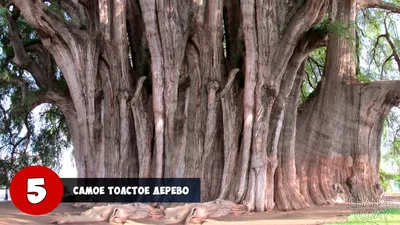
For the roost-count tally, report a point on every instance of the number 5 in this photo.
(35, 192)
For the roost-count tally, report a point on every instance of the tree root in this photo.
(193, 213)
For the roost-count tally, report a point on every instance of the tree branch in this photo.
(27, 136)
(13, 138)
(378, 4)
(72, 10)
(24, 61)
(388, 91)
(6, 122)
(228, 84)
(48, 25)
(22, 84)
(383, 65)
(309, 81)
(319, 66)
(376, 44)
(52, 97)
(308, 43)
(392, 46)
(302, 90)
(63, 102)
(303, 20)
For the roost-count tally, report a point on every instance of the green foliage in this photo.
(385, 129)
(342, 29)
(322, 28)
(385, 177)
(393, 155)
(373, 61)
(48, 145)
(28, 34)
(314, 71)
(396, 145)
(375, 52)
(338, 28)
(363, 78)
(391, 139)
(379, 217)
(55, 8)
(25, 137)
(57, 123)
(26, 143)
(4, 12)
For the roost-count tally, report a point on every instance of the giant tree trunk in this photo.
(96, 69)
(153, 95)
(339, 130)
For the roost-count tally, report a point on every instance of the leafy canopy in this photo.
(30, 133)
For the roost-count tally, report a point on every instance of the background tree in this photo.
(27, 136)
(392, 145)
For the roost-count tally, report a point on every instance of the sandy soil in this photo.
(9, 215)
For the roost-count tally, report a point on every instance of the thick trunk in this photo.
(264, 40)
(99, 86)
(283, 125)
(326, 128)
(376, 100)
(144, 128)
(232, 115)
(343, 151)
(187, 59)
(190, 123)
(338, 131)
(170, 108)
(285, 175)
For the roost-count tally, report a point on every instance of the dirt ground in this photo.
(9, 215)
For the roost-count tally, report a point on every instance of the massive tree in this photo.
(210, 89)
(341, 145)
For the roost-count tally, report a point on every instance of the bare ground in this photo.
(9, 215)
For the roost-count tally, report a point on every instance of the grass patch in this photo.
(378, 217)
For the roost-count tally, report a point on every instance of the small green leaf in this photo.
(4, 12)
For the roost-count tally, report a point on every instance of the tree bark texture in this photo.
(338, 131)
(209, 89)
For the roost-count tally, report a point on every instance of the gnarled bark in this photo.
(149, 85)
(285, 175)
(338, 132)
(232, 128)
